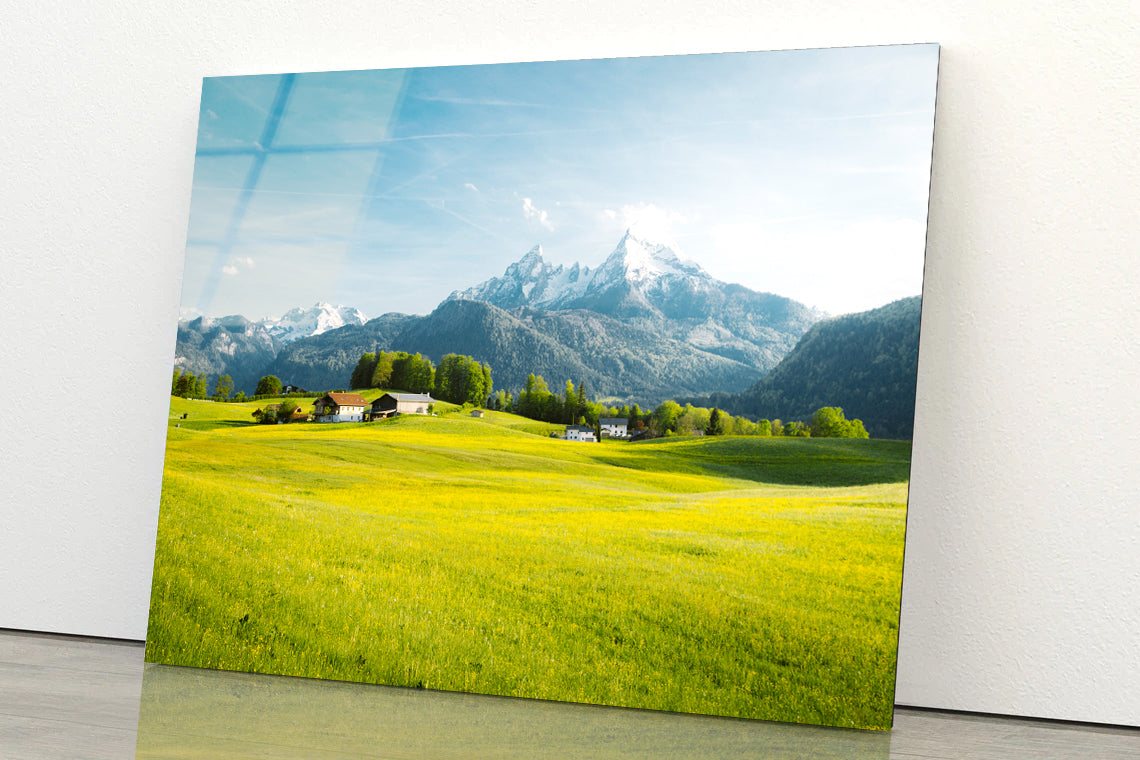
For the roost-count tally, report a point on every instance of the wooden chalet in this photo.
(340, 407)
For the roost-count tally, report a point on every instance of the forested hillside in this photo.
(866, 363)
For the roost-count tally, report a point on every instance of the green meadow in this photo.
(750, 577)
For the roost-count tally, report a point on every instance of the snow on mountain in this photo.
(319, 318)
(644, 281)
(642, 261)
(531, 281)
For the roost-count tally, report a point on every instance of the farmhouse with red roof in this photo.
(340, 407)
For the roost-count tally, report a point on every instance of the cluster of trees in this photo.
(670, 418)
(572, 406)
(829, 422)
(187, 384)
(458, 379)
(394, 369)
(276, 413)
(462, 380)
(270, 385)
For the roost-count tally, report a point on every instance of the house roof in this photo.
(613, 421)
(409, 397)
(579, 428)
(347, 399)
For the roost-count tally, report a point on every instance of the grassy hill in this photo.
(734, 576)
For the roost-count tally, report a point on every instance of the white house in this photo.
(614, 427)
(391, 404)
(340, 407)
(580, 433)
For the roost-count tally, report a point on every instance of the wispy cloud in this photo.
(502, 103)
(461, 101)
(236, 265)
(469, 186)
(441, 207)
(530, 212)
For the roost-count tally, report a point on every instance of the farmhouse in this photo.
(580, 433)
(391, 404)
(614, 427)
(340, 407)
(477, 413)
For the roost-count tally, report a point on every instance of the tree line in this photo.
(573, 406)
(186, 384)
(670, 418)
(463, 380)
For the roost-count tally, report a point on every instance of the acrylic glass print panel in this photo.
(588, 381)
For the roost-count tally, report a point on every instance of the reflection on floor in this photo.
(303, 718)
(63, 697)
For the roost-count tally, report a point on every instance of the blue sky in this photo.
(803, 173)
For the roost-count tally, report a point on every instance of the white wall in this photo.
(1022, 590)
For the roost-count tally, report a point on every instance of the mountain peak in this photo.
(319, 318)
(640, 259)
(651, 238)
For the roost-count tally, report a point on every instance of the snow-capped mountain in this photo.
(635, 270)
(645, 324)
(319, 318)
(530, 281)
(648, 284)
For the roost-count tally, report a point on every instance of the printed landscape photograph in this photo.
(589, 381)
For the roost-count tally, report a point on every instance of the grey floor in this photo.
(64, 697)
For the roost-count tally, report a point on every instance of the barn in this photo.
(391, 404)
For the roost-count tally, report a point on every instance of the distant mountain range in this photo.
(242, 348)
(643, 326)
(317, 320)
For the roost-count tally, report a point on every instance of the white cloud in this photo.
(838, 267)
(610, 213)
(652, 223)
(237, 264)
(530, 212)
(469, 186)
